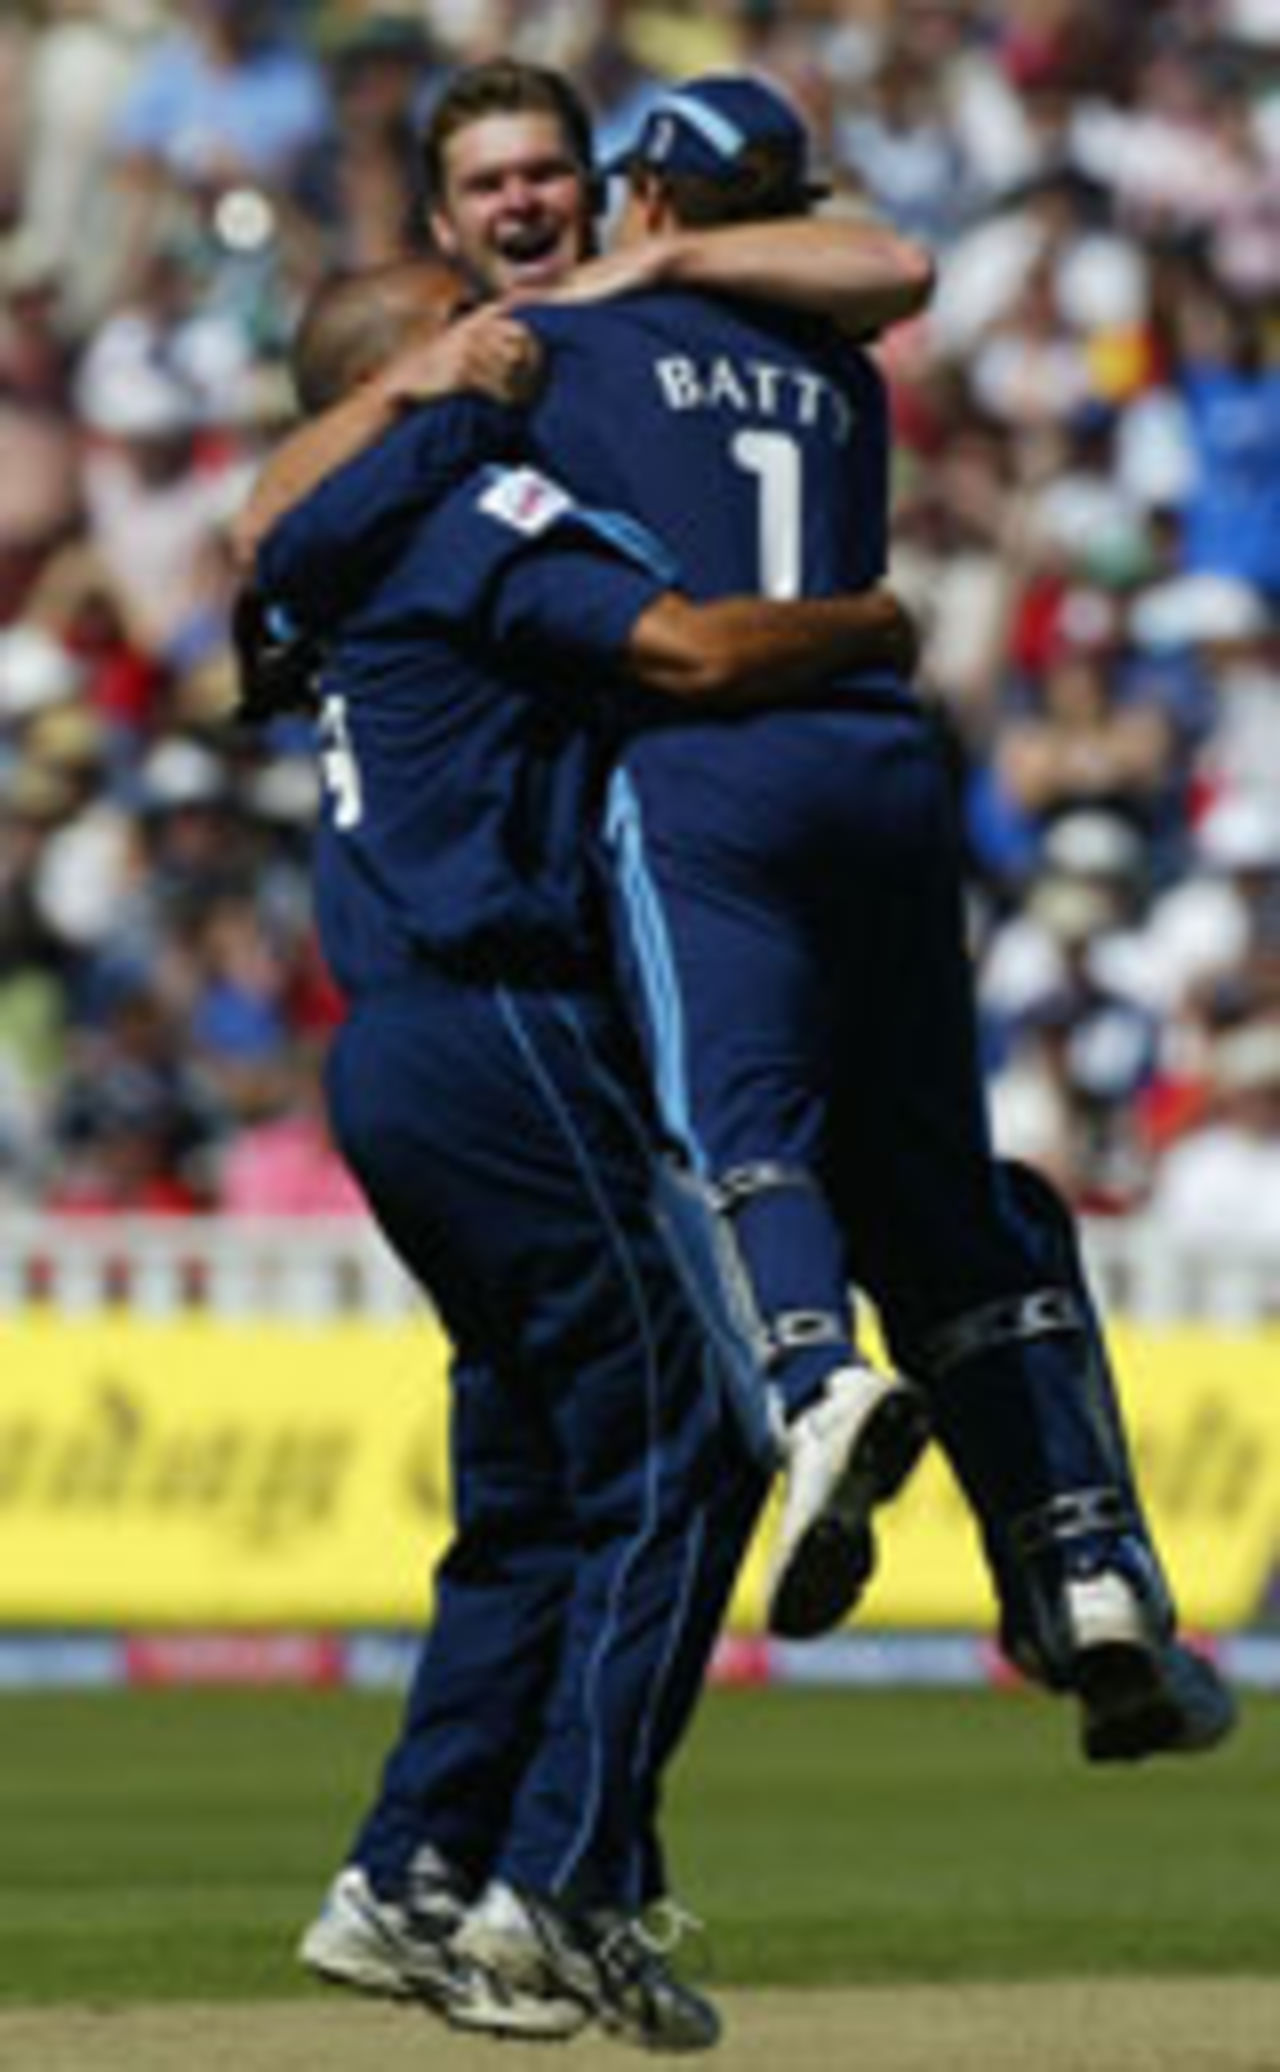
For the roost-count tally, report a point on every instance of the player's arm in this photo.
(572, 592)
(335, 539)
(861, 274)
(484, 355)
(741, 653)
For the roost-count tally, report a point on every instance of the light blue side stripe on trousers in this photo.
(702, 1243)
(655, 963)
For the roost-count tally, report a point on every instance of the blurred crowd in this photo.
(1088, 454)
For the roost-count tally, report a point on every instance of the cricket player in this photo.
(480, 1093)
(789, 896)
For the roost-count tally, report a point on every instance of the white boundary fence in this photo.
(316, 1268)
(226, 1266)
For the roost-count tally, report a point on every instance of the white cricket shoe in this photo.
(603, 1962)
(406, 1952)
(850, 1450)
(377, 1945)
(1142, 1692)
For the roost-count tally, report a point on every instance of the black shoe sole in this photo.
(1130, 1712)
(833, 1562)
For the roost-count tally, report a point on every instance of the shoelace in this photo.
(633, 1949)
(667, 1925)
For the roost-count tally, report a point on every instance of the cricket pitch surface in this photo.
(1086, 2025)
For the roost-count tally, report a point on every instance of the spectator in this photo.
(228, 99)
(1072, 1043)
(1223, 1177)
(895, 137)
(1231, 397)
(79, 70)
(39, 501)
(77, 602)
(1080, 732)
(285, 1163)
(1216, 635)
(154, 503)
(382, 74)
(1220, 920)
(131, 1125)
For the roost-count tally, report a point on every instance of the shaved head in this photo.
(356, 322)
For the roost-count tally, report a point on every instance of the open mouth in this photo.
(528, 246)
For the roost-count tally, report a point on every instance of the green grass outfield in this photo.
(169, 1845)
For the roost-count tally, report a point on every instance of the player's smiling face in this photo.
(515, 211)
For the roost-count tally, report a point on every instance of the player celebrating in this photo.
(476, 1091)
(790, 895)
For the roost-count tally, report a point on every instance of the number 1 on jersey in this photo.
(774, 459)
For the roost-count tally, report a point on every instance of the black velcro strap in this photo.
(728, 1191)
(794, 1329)
(1011, 1321)
(1070, 1516)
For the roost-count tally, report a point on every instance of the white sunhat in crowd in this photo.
(36, 671)
(1198, 611)
(1240, 832)
(1247, 1059)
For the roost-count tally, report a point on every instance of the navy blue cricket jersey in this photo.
(456, 789)
(756, 445)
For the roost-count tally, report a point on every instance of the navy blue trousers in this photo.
(792, 947)
(790, 926)
(603, 1496)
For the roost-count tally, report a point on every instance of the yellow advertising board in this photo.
(192, 1473)
(201, 1473)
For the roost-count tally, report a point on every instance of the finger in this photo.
(513, 335)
